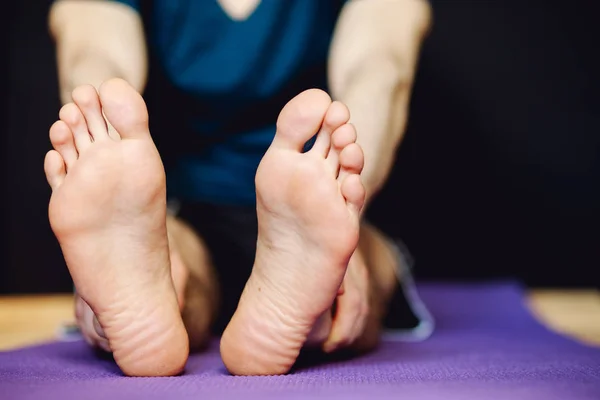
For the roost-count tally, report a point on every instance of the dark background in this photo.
(498, 176)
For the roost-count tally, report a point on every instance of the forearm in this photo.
(88, 68)
(377, 97)
(96, 41)
(372, 64)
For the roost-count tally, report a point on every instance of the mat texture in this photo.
(486, 346)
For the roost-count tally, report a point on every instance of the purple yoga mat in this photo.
(486, 346)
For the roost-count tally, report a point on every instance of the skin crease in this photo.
(373, 57)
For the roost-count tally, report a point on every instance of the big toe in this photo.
(124, 108)
(301, 119)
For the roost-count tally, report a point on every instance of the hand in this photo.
(352, 306)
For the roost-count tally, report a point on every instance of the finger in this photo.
(361, 279)
(360, 322)
(86, 325)
(344, 321)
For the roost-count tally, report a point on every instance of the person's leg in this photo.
(108, 211)
(308, 207)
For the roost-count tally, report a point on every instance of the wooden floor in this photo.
(571, 313)
(26, 320)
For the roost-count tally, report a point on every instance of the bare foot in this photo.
(308, 212)
(108, 211)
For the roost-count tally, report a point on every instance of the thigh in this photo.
(230, 234)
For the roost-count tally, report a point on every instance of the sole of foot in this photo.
(308, 206)
(108, 212)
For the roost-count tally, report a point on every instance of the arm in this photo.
(372, 63)
(96, 41)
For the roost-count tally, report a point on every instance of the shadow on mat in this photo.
(311, 358)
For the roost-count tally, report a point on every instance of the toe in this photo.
(341, 137)
(336, 116)
(125, 109)
(86, 98)
(354, 192)
(352, 188)
(301, 119)
(73, 117)
(62, 140)
(54, 167)
(351, 160)
(322, 143)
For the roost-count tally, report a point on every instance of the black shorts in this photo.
(230, 233)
